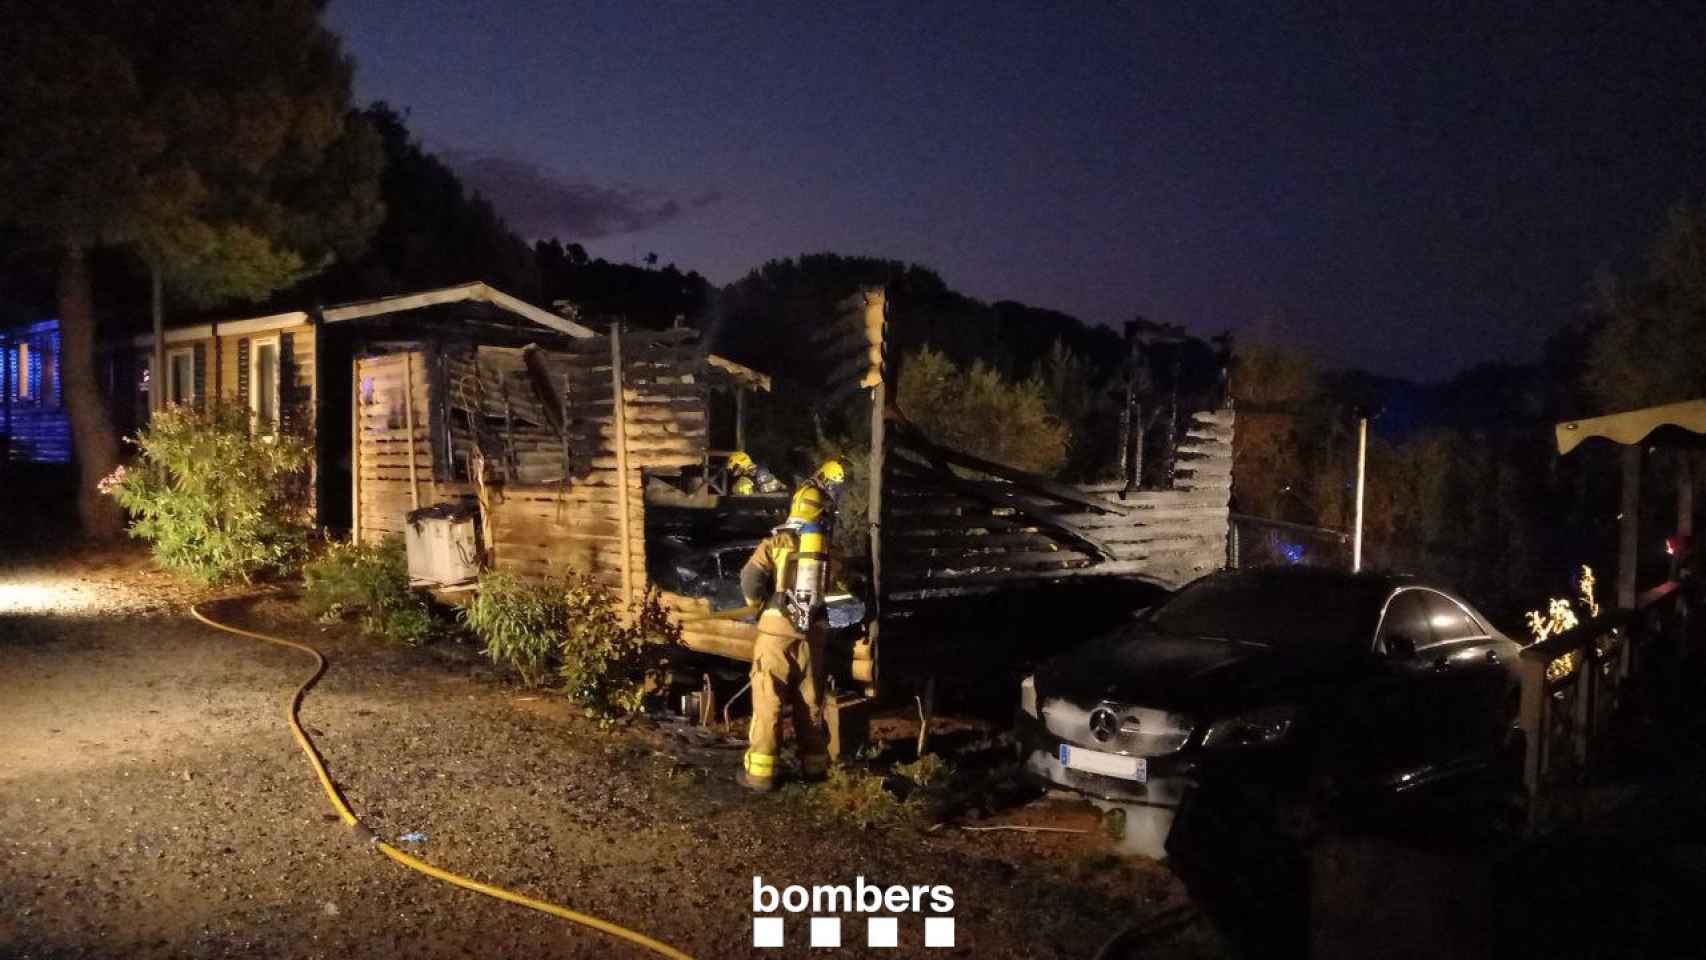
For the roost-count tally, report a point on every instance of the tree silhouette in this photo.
(213, 140)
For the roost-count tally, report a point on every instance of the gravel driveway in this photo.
(152, 803)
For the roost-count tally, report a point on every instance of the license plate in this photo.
(1106, 764)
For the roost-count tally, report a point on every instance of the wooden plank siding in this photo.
(544, 418)
(953, 535)
(385, 490)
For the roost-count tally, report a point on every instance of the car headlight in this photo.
(1028, 695)
(1257, 727)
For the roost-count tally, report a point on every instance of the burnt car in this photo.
(1295, 677)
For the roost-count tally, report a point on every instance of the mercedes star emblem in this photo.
(1104, 723)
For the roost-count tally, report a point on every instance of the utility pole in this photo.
(1362, 473)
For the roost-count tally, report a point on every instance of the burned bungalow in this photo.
(933, 528)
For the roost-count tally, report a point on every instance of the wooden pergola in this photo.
(1672, 425)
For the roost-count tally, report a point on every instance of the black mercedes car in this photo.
(1288, 675)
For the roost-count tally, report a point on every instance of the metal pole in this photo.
(1362, 472)
(157, 305)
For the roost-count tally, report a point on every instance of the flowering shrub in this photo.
(1560, 618)
(213, 501)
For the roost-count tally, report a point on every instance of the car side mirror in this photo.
(1400, 646)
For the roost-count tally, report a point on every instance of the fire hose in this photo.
(362, 832)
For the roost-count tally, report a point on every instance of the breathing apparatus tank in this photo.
(804, 572)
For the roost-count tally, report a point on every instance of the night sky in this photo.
(1407, 192)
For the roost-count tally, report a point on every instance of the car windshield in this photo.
(1274, 609)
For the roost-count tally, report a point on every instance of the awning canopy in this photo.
(1674, 424)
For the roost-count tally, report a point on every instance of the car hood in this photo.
(1145, 668)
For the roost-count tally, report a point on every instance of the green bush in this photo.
(609, 665)
(370, 582)
(521, 623)
(215, 502)
(858, 798)
(574, 626)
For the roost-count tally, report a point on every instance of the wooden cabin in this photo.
(294, 370)
(565, 434)
(33, 425)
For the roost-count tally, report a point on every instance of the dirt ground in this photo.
(152, 803)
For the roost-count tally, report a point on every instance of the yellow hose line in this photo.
(351, 820)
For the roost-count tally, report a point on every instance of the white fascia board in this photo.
(232, 328)
(457, 294)
(277, 321)
(544, 318)
(411, 301)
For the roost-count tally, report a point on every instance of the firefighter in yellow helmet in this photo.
(749, 477)
(789, 574)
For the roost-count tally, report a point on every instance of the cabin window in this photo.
(23, 370)
(263, 384)
(180, 375)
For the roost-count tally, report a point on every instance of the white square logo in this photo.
(766, 931)
(938, 931)
(826, 931)
(882, 932)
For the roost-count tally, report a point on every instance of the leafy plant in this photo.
(213, 500)
(856, 797)
(609, 664)
(370, 581)
(521, 623)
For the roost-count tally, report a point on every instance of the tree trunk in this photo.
(92, 434)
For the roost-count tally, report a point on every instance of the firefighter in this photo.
(750, 477)
(789, 574)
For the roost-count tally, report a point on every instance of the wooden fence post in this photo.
(409, 426)
(355, 450)
(1628, 526)
(621, 417)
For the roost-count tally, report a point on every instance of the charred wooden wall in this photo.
(543, 528)
(391, 391)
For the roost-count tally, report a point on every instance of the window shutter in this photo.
(243, 371)
(199, 377)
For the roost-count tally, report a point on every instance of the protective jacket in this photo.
(787, 573)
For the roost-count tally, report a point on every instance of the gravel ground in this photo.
(152, 803)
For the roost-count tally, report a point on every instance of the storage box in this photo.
(443, 544)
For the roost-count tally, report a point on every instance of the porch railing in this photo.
(1582, 689)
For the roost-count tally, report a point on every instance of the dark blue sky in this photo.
(1408, 192)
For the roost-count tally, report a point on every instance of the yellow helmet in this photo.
(808, 506)
(833, 471)
(739, 462)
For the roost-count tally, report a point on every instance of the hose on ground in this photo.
(354, 823)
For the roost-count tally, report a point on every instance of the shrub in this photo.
(370, 582)
(215, 502)
(606, 663)
(521, 623)
(858, 798)
(610, 666)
